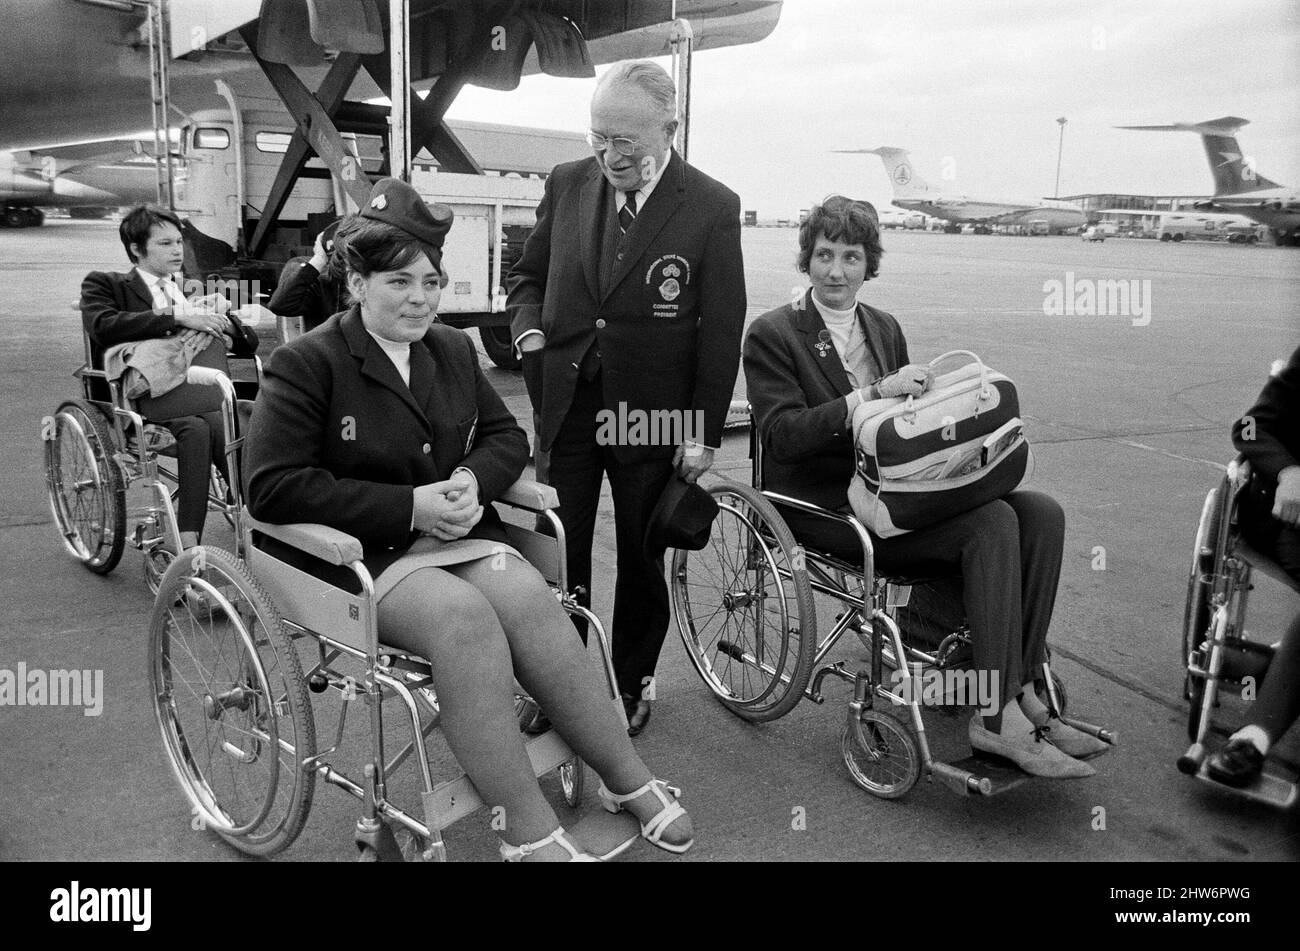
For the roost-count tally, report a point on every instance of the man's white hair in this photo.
(651, 78)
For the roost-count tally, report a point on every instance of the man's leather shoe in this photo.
(638, 714)
(1238, 764)
(531, 718)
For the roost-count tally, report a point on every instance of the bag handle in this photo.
(908, 406)
(984, 370)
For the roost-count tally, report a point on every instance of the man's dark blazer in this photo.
(798, 397)
(673, 310)
(1274, 442)
(118, 308)
(338, 439)
(1273, 445)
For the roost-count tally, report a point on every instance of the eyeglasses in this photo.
(620, 144)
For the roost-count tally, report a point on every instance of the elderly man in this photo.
(627, 309)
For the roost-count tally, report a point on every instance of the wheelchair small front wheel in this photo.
(744, 607)
(881, 754)
(86, 491)
(231, 702)
(573, 781)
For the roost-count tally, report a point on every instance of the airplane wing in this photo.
(107, 94)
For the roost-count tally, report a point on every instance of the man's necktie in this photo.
(627, 214)
(170, 292)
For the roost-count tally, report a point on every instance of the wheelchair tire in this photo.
(744, 607)
(881, 754)
(86, 490)
(1200, 583)
(231, 702)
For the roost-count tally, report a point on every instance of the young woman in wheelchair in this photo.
(145, 303)
(808, 365)
(1268, 435)
(380, 423)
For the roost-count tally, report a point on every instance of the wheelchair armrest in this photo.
(321, 541)
(530, 495)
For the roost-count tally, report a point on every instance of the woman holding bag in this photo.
(808, 365)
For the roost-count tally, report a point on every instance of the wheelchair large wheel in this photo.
(881, 754)
(87, 495)
(1200, 584)
(744, 607)
(231, 702)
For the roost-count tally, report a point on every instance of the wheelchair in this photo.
(97, 448)
(1217, 653)
(745, 610)
(232, 695)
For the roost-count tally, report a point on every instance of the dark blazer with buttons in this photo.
(663, 346)
(118, 308)
(338, 439)
(798, 398)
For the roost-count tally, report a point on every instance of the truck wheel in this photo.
(1165, 236)
(1178, 237)
(499, 347)
(14, 218)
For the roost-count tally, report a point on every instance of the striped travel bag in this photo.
(922, 460)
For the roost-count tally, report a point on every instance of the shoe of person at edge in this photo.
(1237, 765)
(1025, 745)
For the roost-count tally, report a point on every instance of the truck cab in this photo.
(227, 169)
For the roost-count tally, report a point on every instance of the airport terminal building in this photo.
(1137, 213)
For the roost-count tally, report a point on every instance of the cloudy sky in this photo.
(974, 87)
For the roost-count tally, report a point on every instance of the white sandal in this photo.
(653, 828)
(517, 853)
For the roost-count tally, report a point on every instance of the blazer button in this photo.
(600, 323)
(620, 255)
(427, 448)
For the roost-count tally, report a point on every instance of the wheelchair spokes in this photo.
(87, 497)
(881, 754)
(744, 608)
(231, 703)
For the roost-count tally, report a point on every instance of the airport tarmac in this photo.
(1129, 415)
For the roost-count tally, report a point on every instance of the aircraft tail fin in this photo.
(1233, 171)
(906, 181)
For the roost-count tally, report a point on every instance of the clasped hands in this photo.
(447, 510)
(205, 314)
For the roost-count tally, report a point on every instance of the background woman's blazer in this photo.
(798, 398)
(338, 439)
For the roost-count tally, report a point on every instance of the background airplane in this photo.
(913, 193)
(1237, 186)
(88, 177)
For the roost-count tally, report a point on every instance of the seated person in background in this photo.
(808, 365)
(381, 424)
(313, 288)
(1269, 516)
(147, 302)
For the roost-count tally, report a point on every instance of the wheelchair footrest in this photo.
(988, 775)
(451, 801)
(1275, 786)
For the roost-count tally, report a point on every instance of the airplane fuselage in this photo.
(962, 210)
(1278, 208)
